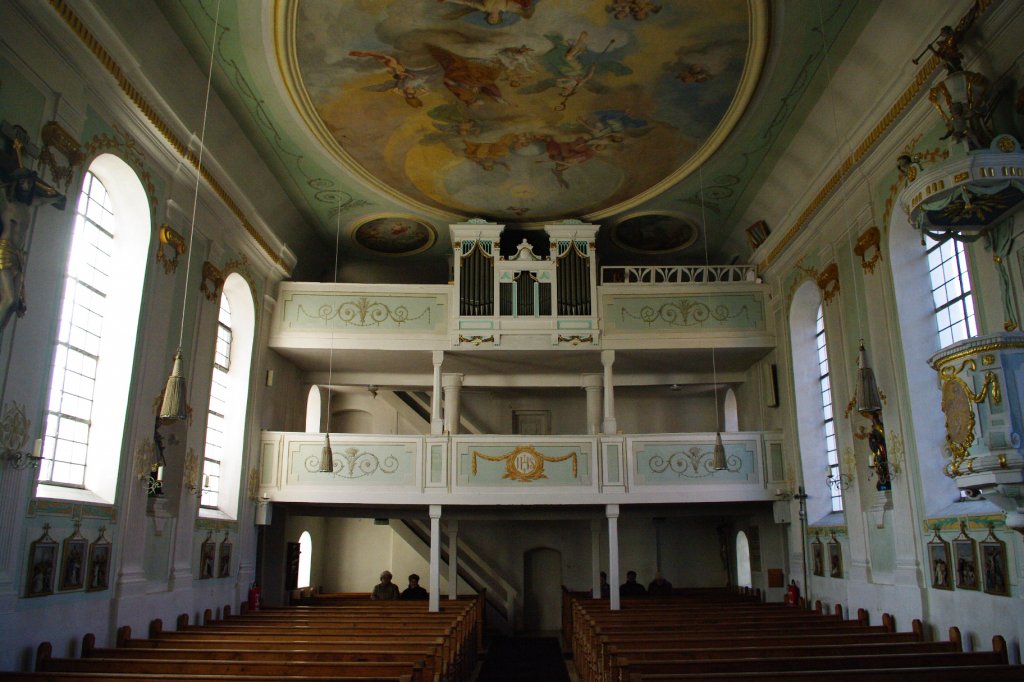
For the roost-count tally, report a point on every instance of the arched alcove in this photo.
(305, 559)
(743, 578)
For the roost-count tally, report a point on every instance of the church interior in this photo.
(294, 292)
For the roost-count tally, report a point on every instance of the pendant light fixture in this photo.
(326, 454)
(175, 403)
(718, 461)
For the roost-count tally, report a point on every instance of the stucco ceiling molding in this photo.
(894, 112)
(114, 69)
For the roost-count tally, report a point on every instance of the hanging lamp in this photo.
(175, 404)
(327, 454)
(718, 460)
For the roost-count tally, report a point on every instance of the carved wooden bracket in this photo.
(171, 246)
(869, 241)
(828, 282)
(212, 281)
(55, 137)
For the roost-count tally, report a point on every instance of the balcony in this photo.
(521, 470)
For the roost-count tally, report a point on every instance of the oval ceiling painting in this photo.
(654, 233)
(394, 236)
(523, 109)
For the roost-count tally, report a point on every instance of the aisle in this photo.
(537, 659)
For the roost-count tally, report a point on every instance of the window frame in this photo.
(133, 231)
(238, 293)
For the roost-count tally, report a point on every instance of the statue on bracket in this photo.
(23, 190)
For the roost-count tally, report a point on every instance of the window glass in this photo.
(73, 382)
(951, 290)
(215, 422)
(825, 385)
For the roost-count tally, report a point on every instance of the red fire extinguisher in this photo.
(254, 597)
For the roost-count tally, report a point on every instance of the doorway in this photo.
(542, 590)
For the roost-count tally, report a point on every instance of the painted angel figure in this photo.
(493, 9)
(409, 83)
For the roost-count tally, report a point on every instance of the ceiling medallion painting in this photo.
(654, 233)
(394, 236)
(521, 109)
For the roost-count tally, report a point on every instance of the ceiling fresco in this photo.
(521, 110)
(257, 76)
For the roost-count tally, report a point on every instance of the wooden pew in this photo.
(45, 662)
(662, 642)
(965, 673)
(429, 656)
(624, 667)
(174, 677)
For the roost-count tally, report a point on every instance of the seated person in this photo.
(414, 591)
(385, 589)
(605, 587)
(631, 588)
(659, 587)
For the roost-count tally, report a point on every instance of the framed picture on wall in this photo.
(42, 565)
(72, 562)
(224, 559)
(965, 563)
(817, 557)
(835, 559)
(939, 563)
(993, 562)
(207, 557)
(98, 573)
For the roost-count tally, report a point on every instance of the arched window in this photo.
(743, 578)
(95, 346)
(951, 290)
(314, 410)
(305, 559)
(825, 387)
(938, 271)
(812, 386)
(219, 399)
(229, 400)
(730, 411)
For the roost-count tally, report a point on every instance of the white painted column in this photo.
(434, 605)
(595, 557)
(609, 425)
(453, 559)
(592, 385)
(436, 419)
(452, 414)
(612, 512)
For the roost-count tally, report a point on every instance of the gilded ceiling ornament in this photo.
(171, 246)
(828, 282)
(55, 137)
(869, 240)
(211, 281)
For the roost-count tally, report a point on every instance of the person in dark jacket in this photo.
(659, 587)
(631, 588)
(414, 591)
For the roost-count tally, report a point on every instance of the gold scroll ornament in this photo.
(958, 402)
(525, 463)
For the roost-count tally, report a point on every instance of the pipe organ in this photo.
(523, 292)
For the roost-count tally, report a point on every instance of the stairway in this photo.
(472, 568)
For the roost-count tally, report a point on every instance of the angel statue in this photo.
(947, 45)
